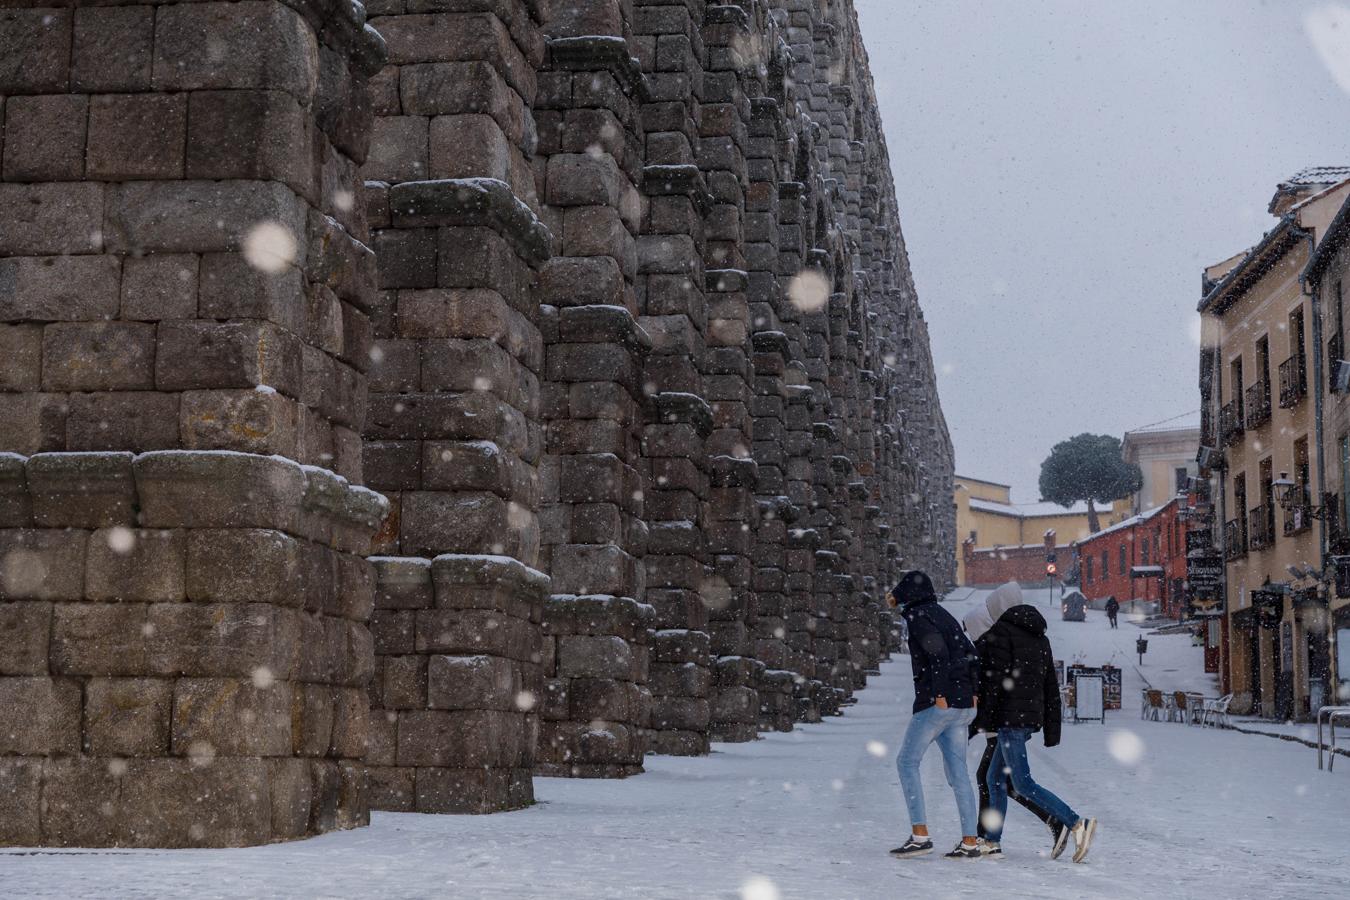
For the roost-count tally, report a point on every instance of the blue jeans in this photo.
(1010, 759)
(949, 727)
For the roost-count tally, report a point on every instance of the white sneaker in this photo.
(989, 849)
(1082, 838)
(1062, 833)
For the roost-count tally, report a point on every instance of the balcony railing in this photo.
(1230, 422)
(1234, 539)
(1207, 436)
(1293, 381)
(1296, 518)
(1335, 353)
(1258, 404)
(1258, 528)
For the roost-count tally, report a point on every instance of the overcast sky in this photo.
(1065, 170)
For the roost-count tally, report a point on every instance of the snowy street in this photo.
(1185, 812)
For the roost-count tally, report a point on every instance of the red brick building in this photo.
(1140, 559)
(1024, 563)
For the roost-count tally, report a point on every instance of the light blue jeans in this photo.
(950, 728)
(1010, 759)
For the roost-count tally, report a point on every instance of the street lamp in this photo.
(1285, 495)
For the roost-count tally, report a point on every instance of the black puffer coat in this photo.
(1018, 687)
(942, 656)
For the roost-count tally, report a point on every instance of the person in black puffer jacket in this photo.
(944, 664)
(1019, 695)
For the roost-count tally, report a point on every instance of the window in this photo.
(1143, 552)
(1124, 562)
(1181, 474)
(972, 535)
(1087, 570)
(1240, 507)
(1263, 360)
(1106, 564)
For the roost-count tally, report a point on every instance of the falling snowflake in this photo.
(757, 887)
(876, 748)
(121, 540)
(808, 291)
(269, 247)
(1126, 746)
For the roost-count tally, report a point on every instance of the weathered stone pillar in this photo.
(597, 705)
(185, 293)
(733, 513)
(674, 312)
(454, 435)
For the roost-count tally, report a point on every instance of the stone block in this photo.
(243, 420)
(202, 489)
(122, 420)
(232, 46)
(351, 716)
(112, 49)
(594, 656)
(21, 348)
(402, 583)
(244, 565)
(127, 716)
(20, 804)
(463, 523)
(47, 219)
(160, 286)
(27, 626)
(44, 137)
(137, 136)
(248, 134)
(230, 717)
(39, 716)
(81, 490)
(98, 639)
(237, 640)
(42, 564)
(136, 564)
(199, 355)
(467, 738)
(468, 146)
(45, 288)
(98, 356)
(392, 788)
(484, 790)
(594, 569)
(184, 803)
(232, 288)
(313, 707)
(472, 632)
(398, 149)
(195, 216)
(472, 682)
(37, 57)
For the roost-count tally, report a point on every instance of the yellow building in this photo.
(1255, 378)
(986, 515)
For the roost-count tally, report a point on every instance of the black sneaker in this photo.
(965, 851)
(1062, 833)
(912, 847)
(990, 849)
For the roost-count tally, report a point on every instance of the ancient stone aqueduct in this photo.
(400, 402)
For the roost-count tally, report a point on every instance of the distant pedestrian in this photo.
(944, 663)
(976, 622)
(1112, 610)
(1019, 695)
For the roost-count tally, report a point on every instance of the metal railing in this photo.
(1332, 713)
(1293, 381)
(1234, 539)
(1258, 404)
(1335, 353)
(1258, 528)
(1230, 422)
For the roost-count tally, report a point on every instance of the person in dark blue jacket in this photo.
(946, 669)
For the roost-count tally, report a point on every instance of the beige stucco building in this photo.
(1165, 454)
(1258, 346)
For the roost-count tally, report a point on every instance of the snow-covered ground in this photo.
(1186, 813)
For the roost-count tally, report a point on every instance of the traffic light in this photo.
(1051, 569)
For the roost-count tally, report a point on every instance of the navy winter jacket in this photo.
(945, 662)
